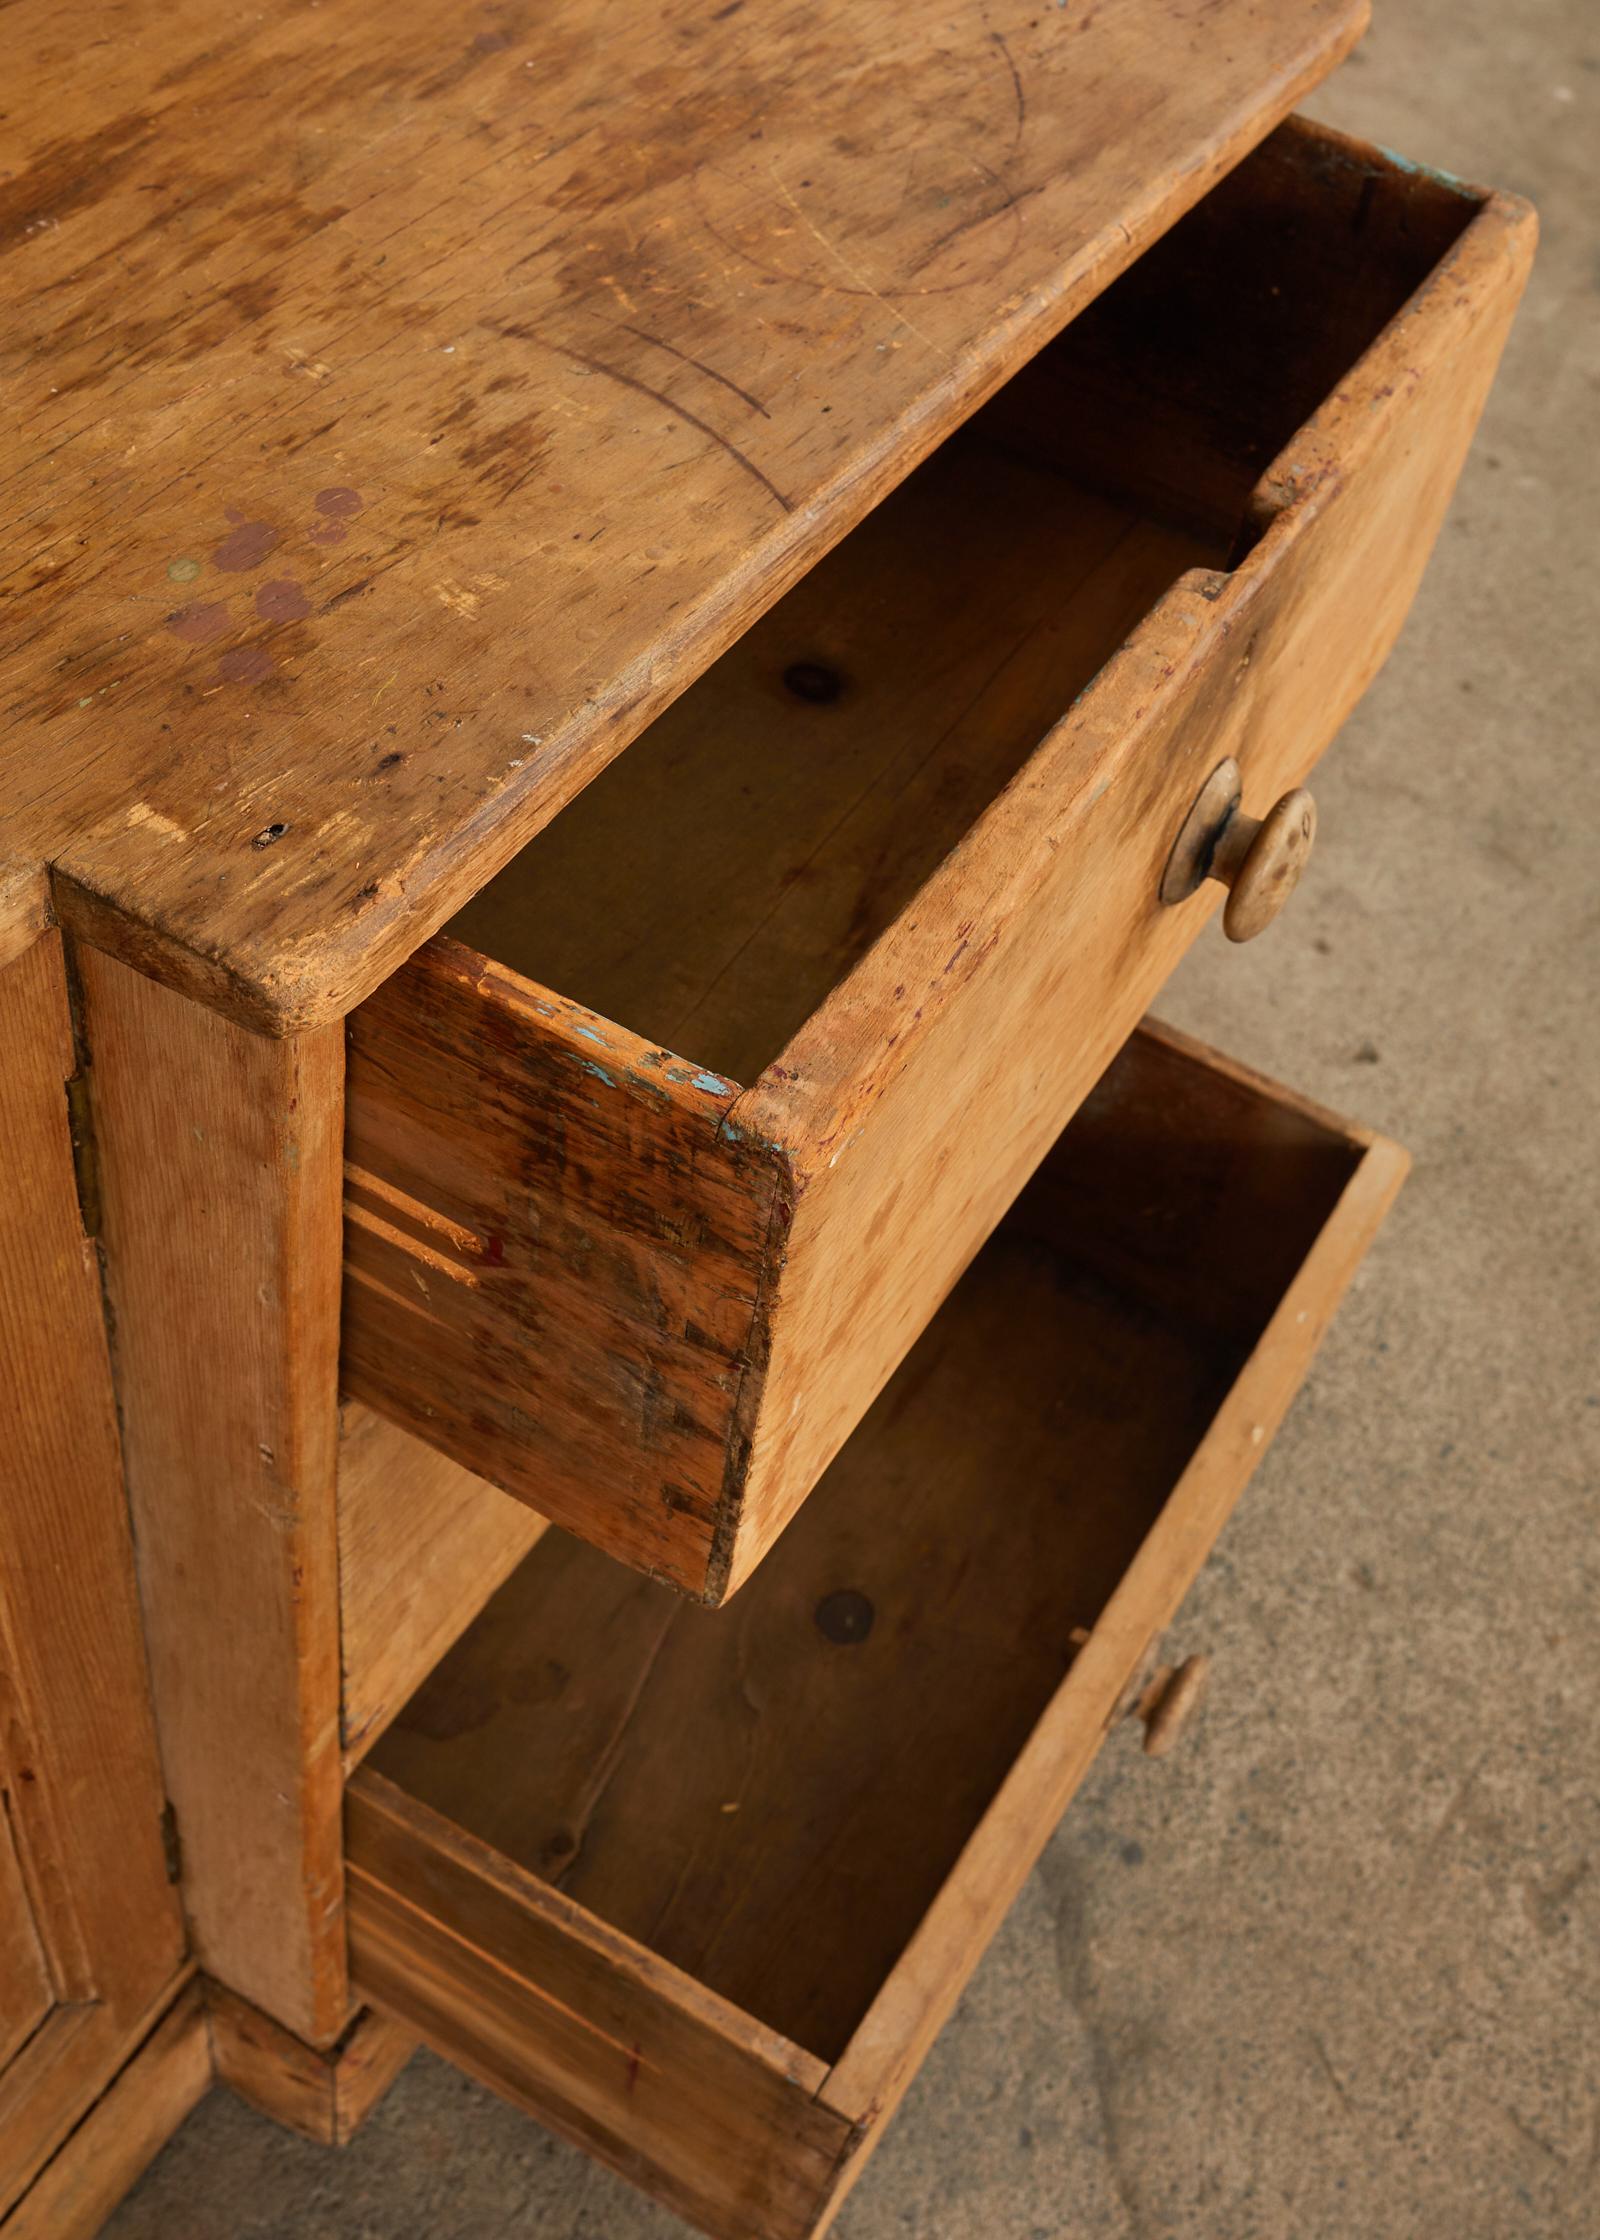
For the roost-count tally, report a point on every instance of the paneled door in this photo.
(91, 1937)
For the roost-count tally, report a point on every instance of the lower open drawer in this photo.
(699, 1886)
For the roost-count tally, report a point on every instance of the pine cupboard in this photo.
(635, 639)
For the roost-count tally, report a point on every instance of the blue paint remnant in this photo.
(588, 1033)
(713, 1084)
(599, 1072)
(1415, 170)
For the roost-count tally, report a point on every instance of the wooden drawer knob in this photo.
(1258, 859)
(1168, 1703)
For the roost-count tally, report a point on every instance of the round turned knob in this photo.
(1169, 1701)
(1258, 859)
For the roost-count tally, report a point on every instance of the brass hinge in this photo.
(85, 1166)
(170, 1845)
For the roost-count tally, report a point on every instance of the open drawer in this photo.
(698, 1887)
(662, 1158)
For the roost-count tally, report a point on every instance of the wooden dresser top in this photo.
(404, 401)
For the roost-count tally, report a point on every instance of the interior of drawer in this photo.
(745, 1791)
(717, 880)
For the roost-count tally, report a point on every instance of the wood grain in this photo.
(743, 1793)
(219, 1158)
(398, 425)
(323, 2093)
(92, 1928)
(26, 1992)
(600, 2040)
(422, 1546)
(936, 937)
(122, 2133)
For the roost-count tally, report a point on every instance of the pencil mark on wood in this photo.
(659, 396)
(700, 366)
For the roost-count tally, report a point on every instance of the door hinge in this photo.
(170, 1844)
(85, 1165)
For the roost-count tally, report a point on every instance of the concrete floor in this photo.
(1333, 1970)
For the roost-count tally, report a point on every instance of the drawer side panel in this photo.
(916, 1103)
(893, 2039)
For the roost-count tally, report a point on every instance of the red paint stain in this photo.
(281, 601)
(247, 547)
(195, 625)
(245, 665)
(494, 1250)
(339, 503)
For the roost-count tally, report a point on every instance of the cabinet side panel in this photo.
(219, 1160)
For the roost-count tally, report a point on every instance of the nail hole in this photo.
(268, 833)
(813, 681)
(845, 1616)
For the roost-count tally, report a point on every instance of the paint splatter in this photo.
(327, 532)
(183, 570)
(247, 547)
(196, 625)
(340, 504)
(282, 600)
(245, 665)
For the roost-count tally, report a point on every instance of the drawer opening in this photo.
(712, 887)
(1178, 387)
(770, 1796)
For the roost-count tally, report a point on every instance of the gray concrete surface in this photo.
(1334, 1970)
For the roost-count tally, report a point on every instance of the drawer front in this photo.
(654, 1304)
(765, 1910)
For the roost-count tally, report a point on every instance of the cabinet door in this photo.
(25, 1996)
(91, 1937)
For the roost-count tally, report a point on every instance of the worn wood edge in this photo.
(275, 991)
(322, 2094)
(114, 2143)
(870, 2076)
(25, 909)
(376, 1808)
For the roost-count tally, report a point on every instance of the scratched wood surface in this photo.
(403, 410)
(741, 1794)
(930, 939)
